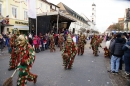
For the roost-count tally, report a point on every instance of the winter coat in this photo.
(1, 40)
(126, 49)
(117, 48)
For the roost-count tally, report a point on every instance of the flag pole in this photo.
(36, 19)
(36, 25)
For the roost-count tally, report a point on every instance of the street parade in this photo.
(47, 44)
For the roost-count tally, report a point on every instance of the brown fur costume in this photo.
(106, 52)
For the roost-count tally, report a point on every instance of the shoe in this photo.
(116, 73)
(113, 72)
(11, 69)
(35, 79)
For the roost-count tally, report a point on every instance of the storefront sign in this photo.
(17, 22)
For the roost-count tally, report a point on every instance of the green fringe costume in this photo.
(69, 53)
(27, 58)
(14, 58)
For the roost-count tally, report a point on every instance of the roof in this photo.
(46, 1)
(54, 5)
(73, 13)
(62, 16)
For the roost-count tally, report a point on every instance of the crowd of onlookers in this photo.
(119, 49)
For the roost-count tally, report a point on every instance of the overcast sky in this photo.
(107, 11)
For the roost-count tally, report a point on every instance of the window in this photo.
(25, 15)
(0, 9)
(14, 12)
(92, 13)
(53, 7)
(92, 8)
(57, 9)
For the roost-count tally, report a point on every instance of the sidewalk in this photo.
(117, 80)
(5, 52)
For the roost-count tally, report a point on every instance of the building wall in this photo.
(21, 19)
(42, 7)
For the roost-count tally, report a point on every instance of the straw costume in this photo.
(94, 45)
(60, 41)
(14, 58)
(52, 43)
(69, 53)
(81, 44)
(27, 58)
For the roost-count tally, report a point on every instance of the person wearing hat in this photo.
(60, 41)
(81, 43)
(27, 58)
(14, 58)
(69, 53)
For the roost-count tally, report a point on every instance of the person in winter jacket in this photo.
(126, 49)
(1, 43)
(117, 53)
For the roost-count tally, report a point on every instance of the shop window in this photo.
(14, 12)
(25, 15)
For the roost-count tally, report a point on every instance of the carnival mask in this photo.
(21, 40)
(16, 31)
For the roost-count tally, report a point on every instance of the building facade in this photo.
(80, 21)
(127, 20)
(17, 14)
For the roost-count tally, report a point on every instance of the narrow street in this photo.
(87, 70)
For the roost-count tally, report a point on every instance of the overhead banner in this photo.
(32, 8)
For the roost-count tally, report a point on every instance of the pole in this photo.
(127, 26)
(57, 21)
(36, 25)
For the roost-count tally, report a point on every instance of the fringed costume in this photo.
(27, 58)
(94, 44)
(106, 52)
(81, 44)
(60, 41)
(14, 58)
(69, 53)
(52, 43)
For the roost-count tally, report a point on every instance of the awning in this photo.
(62, 16)
(21, 27)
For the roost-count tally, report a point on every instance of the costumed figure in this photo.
(27, 58)
(52, 43)
(97, 44)
(14, 58)
(81, 44)
(60, 41)
(94, 45)
(69, 53)
(106, 52)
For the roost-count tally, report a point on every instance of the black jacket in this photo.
(117, 47)
(1, 40)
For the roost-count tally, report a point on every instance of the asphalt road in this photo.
(87, 70)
